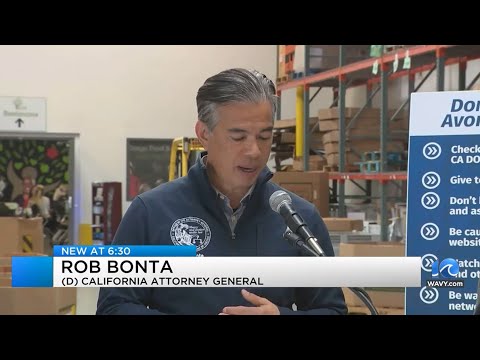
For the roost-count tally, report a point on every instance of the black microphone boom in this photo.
(296, 241)
(299, 232)
(281, 203)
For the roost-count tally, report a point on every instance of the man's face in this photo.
(239, 146)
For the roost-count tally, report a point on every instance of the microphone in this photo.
(296, 241)
(281, 203)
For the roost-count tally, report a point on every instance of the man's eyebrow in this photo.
(270, 128)
(242, 131)
(237, 130)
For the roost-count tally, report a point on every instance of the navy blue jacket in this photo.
(156, 217)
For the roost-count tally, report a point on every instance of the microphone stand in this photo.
(297, 241)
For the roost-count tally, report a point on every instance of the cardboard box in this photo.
(37, 301)
(287, 138)
(324, 57)
(343, 224)
(361, 146)
(6, 266)
(381, 297)
(5, 280)
(333, 113)
(310, 185)
(5, 269)
(350, 158)
(21, 235)
(315, 162)
(362, 123)
(368, 118)
(363, 134)
(372, 248)
(363, 310)
(6, 261)
(34, 301)
(292, 123)
(316, 140)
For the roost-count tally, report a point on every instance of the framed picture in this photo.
(147, 164)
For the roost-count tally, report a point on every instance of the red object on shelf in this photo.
(106, 210)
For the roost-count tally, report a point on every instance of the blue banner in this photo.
(443, 204)
(124, 250)
(32, 271)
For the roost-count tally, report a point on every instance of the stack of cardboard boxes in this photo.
(363, 135)
(310, 185)
(388, 301)
(24, 237)
(343, 224)
(283, 146)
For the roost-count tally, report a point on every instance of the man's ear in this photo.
(203, 133)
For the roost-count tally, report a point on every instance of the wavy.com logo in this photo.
(447, 269)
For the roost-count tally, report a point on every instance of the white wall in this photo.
(109, 93)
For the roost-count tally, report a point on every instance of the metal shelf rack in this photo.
(431, 58)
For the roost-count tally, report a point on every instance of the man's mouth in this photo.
(247, 169)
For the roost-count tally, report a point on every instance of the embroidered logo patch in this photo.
(191, 231)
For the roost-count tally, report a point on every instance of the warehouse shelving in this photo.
(423, 58)
(386, 176)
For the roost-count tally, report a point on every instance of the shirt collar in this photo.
(222, 196)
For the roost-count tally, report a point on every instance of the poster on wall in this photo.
(28, 164)
(34, 182)
(147, 164)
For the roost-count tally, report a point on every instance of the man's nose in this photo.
(253, 150)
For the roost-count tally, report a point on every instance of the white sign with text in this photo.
(23, 113)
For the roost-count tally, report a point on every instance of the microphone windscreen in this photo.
(278, 198)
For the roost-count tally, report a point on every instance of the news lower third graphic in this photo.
(179, 266)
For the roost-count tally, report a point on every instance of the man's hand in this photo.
(261, 306)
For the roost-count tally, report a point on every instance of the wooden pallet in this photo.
(360, 310)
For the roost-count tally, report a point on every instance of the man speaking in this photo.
(222, 207)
